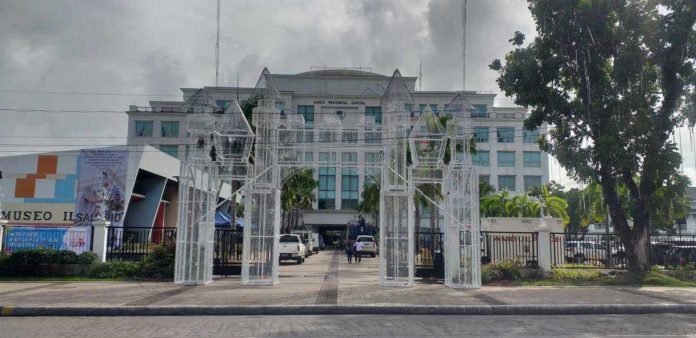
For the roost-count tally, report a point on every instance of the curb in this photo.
(284, 310)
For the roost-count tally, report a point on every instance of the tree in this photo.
(370, 200)
(553, 205)
(615, 78)
(297, 191)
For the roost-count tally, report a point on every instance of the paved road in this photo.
(372, 326)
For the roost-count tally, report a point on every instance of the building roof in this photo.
(340, 72)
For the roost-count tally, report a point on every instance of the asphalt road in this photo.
(372, 326)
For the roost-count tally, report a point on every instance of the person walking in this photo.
(358, 246)
(349, 251)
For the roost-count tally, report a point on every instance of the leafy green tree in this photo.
(554, 205)
(297, 191)
(615, 78)
(369, 203)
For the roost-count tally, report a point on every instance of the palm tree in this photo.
(297, 191)
(554, 206)
(493, 205)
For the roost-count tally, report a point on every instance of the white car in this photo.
(290, 247)
(307, 239)
(369, 245)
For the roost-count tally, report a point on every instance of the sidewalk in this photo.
(327, 281)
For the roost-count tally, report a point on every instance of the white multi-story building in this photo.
(508, 156)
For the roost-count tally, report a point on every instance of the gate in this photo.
(429, 255)
(227, 255)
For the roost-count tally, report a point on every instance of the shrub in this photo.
(510, 269)
(159, 264)
(576, 275)
(87, 258)
(117, 269)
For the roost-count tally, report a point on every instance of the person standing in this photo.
(349, 251)
(358, 251)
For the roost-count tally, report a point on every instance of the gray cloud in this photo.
(156, 47)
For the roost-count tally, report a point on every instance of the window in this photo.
(531, 182)
(327, 157)
(326, 136)
(372, 137)
(143, 128)
(170, 128)
(506, 159)
(308, 156)
(481, 134)
(433, 107)
(280, 105)
(532, 159)
(376, 112)
(479, 111)
(350, 137)
(531, 136)
(327, 188)
(506, 182)
(223, 104)
(485, 178)
(349, 188)
(408, 108)
(372, 157)
(349, 157)
(372, 174)
(171, 150)
(308, 113)
(481, 158)
(506, 134)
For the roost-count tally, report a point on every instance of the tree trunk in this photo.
(283, 217)
(418, 217)
(433, 217)
(636, 239)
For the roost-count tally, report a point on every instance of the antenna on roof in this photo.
(463, 45)
(420, 77)
(217, 46)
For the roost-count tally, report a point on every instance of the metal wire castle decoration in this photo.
(221, 143)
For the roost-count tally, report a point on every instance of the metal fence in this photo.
(497, 246)
(227, 255)
(578, 250)
(133, 243)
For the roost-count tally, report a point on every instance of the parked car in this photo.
(316, 242)
(307, 240)
(291, 248)
(582, 251)
(369, 245)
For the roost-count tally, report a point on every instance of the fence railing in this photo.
(497, 246)
(227, 255)
(578, 250)
(133, 243)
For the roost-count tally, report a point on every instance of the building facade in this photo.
(508, 156)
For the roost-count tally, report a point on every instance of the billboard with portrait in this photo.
(101, 187)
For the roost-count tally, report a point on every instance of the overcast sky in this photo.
(152, 48)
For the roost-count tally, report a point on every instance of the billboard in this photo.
(77, 239)
(101, 187)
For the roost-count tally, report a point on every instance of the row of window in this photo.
(168, 128)
(509, 182)
(505, 135)
(506, 159)
(327, 188)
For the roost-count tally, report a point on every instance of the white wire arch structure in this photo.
(223, 152)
